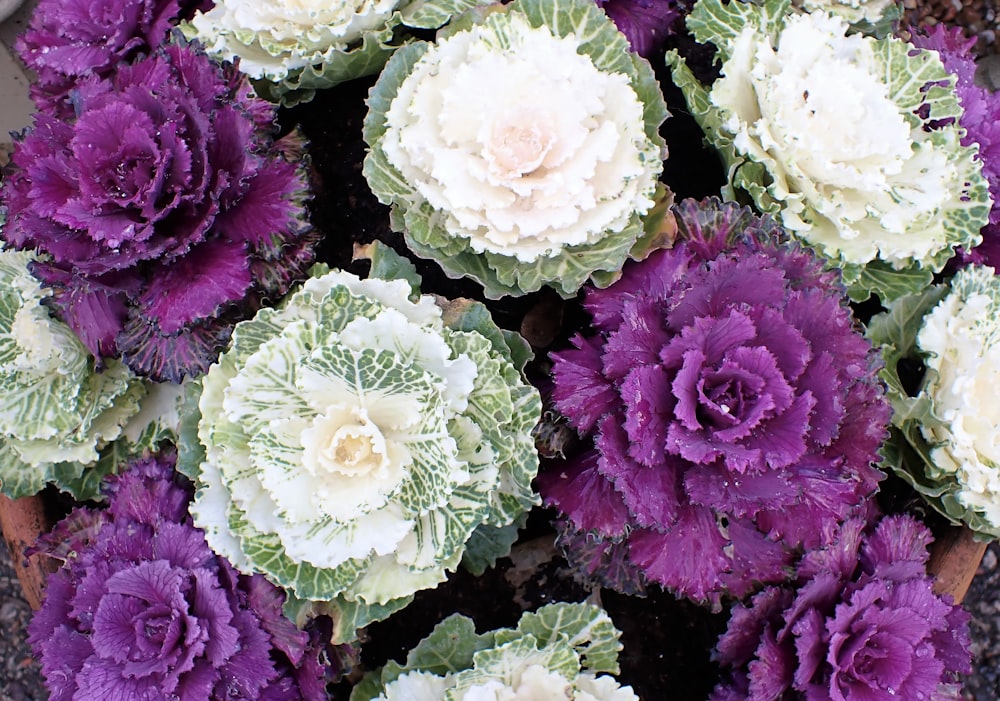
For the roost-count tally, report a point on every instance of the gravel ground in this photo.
(20, 678)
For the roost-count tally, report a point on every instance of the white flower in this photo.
(516, 176)
(853, 142)
(273, 38)
(961, 336)
(354, 441)
(522, 162)
(854, 176)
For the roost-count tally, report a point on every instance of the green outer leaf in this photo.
(718, 22)
(906, 451)
(488, 543)
(502, 275)
(587, 629)
(389, 265)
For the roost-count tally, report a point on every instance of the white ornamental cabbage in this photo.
(522, 150)
(562, 651)
(355, 440)
(840, 135)
(960, 339)
(57, 412)
(295, 48)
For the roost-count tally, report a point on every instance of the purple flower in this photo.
(164, 210)
(981, 121)
(734, 409)
(142, 609)
(69, 40)
(862, 623)
(645, 23)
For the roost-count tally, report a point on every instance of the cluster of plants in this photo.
(278, 452)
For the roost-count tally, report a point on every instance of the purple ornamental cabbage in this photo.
(69, 40)
(734, 408)
(645, 23)
(861, 623)
(166, 211)
(142, 609)
(980, 119)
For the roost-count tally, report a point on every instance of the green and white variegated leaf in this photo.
(291, 50)
(923, 196)
(587, 629)
(57, 413)
(560, 261)
(351, 442)
(555, 652)
(929, 444)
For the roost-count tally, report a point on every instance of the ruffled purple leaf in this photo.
(68, 40)
(166, 211)
(142, 608)
(875, 632)
(646, 23)
(738, 427)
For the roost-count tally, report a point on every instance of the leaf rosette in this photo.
(734, 412)
(565, 651)
(517, 177)
(853, 141)
(944, 439)
(355, 439)
(294, 49)
(56, 411)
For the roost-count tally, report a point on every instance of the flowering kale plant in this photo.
(56, 411)
(734, 408)
(69, 40)
(293, 49)
(886, 202)
(141, 609)
(981, 121)
(163, 212)
(945, 440)
(360, 437)
(562, 651)
(515, 176)
(862, 623)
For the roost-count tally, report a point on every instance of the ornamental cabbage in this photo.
(356, 440)
(734, 408)
(57, 412)
(945, 440)
(562, 651)
(164, 211)
(141, 609)
(861, 622)
(293, 49)
(981, 121)
(69, 40)
(515, 176)
(853, 141)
